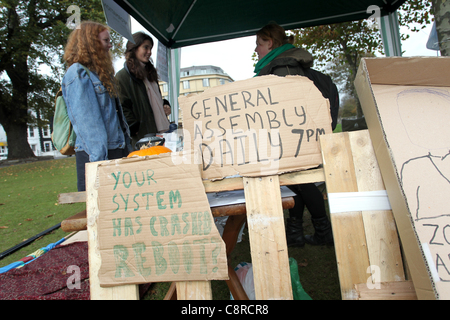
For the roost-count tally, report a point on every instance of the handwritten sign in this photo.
(262, 126)
(155, 224)
(415, 122)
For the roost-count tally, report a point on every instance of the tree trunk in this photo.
(16, 113)
(441, 11)
(18, 146)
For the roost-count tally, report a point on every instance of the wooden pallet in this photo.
(366, 242)
(266, 233)
(367, 248)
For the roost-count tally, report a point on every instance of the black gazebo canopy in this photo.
(179, 23)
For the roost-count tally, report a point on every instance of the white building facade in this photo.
(39, 139)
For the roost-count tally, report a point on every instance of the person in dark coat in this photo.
(144, 108)
(277, 55)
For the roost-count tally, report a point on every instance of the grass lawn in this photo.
(338, 128)
(29, 205)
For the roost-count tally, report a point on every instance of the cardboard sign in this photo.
(155, 224)
(262, 126)
(406, 102)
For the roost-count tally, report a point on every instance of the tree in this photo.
(32, 35)
(342, 45)
(343, 74)
(441, 11)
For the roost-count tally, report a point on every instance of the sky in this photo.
(235, 56)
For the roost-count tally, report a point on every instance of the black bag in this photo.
(328, 90)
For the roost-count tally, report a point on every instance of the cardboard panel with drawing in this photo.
(155, 223)
(257, 127)
(406, 102)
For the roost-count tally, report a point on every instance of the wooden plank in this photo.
(348, 227)
(229, 184)
(267, 237)
(230, 237)
(395, 290)
(194, 290)
(286, 179)
(381, 233)
(127, 292)
(301, 177)
(172, 293)
(76, 222)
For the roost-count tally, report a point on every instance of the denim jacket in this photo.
(99, 125)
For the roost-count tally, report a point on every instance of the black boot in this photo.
(323, 234)
(294, 232)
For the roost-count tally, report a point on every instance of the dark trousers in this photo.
(82, 158)
(310, 196)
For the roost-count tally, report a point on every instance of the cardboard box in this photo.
(155, 223)
(406, 103)
(262, 126)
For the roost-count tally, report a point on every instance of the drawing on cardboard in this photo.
(434, 165)
(406, 102)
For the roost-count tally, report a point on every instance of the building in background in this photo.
(197, 79)
(3, 144)
(39, 139)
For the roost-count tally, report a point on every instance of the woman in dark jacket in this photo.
(143, 106)
(278, 56)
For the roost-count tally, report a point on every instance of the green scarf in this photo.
(270, 56)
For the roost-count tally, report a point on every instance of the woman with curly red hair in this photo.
(91, 96)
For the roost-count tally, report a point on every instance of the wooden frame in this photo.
(271, 214)
(367, 248)
(366, 242)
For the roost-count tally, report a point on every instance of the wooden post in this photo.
(126, 292)
(267, 236)
(393, 290)
(381, 232)
(194, 290)
(366, 243)
(348, 227)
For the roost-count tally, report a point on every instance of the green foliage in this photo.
(348, 107)
(415, 15)
(346, 41)
(338, 48)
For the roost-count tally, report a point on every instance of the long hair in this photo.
(141, 72)
(276, 33)
(84, 47)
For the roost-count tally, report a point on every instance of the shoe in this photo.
(323, 234)
(294, 232)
